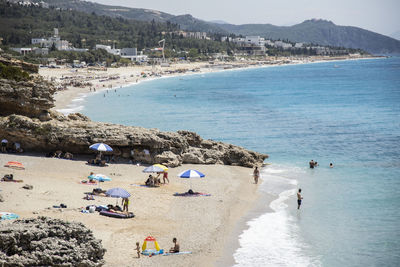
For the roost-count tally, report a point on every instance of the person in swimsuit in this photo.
(175, 248)
(256, 175)
(312, 164)
(165, 176)
(299, 198)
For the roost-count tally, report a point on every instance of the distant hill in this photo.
(190, 23)
(310, 31)
(111, 11)
(322, 32)
(396, 35)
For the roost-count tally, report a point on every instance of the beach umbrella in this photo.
(99, 177)
(191, 174)
(161, 166)
(15, 165)
(101, 147)
(153, 168)
(117, 192)
(4, 141)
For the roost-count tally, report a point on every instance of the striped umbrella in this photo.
(101, 147)
(191, 174)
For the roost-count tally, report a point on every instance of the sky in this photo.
(382, 16)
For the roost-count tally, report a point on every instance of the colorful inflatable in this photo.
(149, 252)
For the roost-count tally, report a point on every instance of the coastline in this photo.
(69, 98)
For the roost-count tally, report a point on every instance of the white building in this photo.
(108, 48)
(55, 39)
(298, 45)
(255, 40)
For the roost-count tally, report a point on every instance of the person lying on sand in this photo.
(175, 248)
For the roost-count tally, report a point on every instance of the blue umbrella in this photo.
(191, 174)
(101, 147)
(118, 192)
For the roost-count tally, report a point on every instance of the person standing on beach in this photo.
(138, 249)
(299, 198)
(165, 176)
(256, 175)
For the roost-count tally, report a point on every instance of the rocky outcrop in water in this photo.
(27, 118)
(49, 242)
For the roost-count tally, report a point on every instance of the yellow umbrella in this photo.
(161, 166)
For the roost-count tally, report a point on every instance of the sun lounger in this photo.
(118, 215)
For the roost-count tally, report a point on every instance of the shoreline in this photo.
(201, 224)
(66, 100)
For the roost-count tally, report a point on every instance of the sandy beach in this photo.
(201, 224)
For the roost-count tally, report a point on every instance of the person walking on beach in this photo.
(299, 198)
(256, 174)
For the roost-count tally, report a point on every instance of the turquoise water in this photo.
(348, 115)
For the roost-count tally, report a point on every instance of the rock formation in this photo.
(28, 120)
(49, 242)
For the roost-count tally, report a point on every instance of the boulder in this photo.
(49, 242)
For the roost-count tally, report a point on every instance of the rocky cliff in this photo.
(49, 242)
(28, 120)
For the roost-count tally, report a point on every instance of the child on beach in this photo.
(138, 249)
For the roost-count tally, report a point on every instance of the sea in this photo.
(346, 113)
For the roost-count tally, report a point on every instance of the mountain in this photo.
(219, 22)
(111, 11)
(310, 31)
(321, 32)
(188, 22)
(395, 35)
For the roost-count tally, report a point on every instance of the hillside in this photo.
(322, 32)
(20, 24)
(310, 31)
(111, 11)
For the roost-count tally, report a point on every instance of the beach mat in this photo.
(8, 216)
(87, 183)
(195, 194)
(14, 181)
(143, 185)
(178, 253)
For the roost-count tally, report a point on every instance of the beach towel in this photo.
(13, 180)
(8, 216)
(177, 253)
(195, 194)
(143, 185)
(87, 183)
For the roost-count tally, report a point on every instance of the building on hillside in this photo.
(54, 40)
(108, 48)
(31, 50)
(298, 45)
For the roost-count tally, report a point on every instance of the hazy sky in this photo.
(382, 16)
